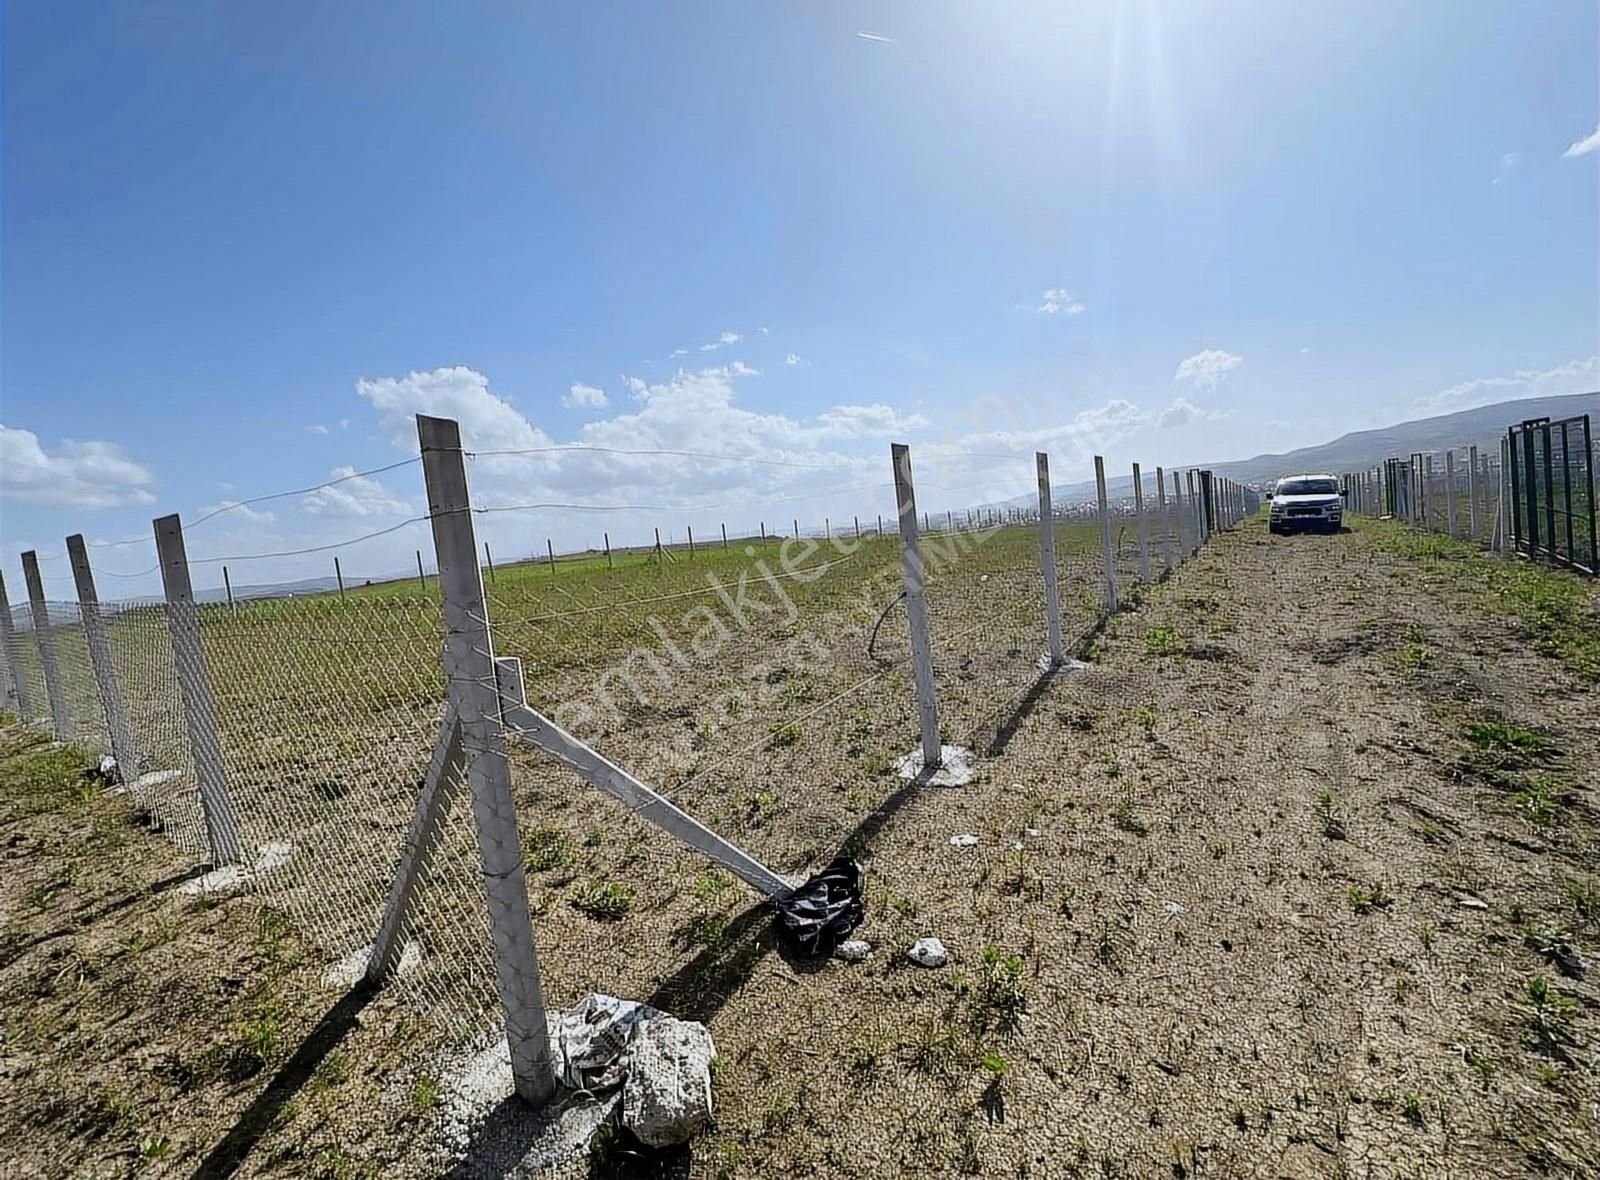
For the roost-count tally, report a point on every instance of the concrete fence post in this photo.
(1450, 491)
(1427, 491)
(474, 693)
(44, 636)
(13, 656)
(1177, 518)
(911, 573)
(1107, 561)
(1142, 526)
(1196, 514)
(194, 686)
(105, 672)
(1047, 563)
(1472, 493)
(1163, 514)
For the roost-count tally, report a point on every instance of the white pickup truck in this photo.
(1306, 502)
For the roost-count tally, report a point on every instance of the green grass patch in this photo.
(1503, 737)
(1164, 641)
(1558, 607)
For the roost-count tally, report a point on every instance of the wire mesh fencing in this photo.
(324, 754)
(1552, 483)
(28, 663)
(764, 684)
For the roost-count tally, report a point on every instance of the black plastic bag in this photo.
(820, 914)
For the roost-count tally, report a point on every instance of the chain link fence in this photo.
(765, 686)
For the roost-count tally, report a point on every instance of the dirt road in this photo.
(1299, 878)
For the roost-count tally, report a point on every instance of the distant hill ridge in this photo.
(1481, 426)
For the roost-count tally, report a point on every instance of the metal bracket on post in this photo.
(445, 772)
(470, 675)
(1107, 561)
(1055, 652)
(189, 660)
(1144, 530)
(533, 727)
(39, 610)
(105, 672)
(13, 655)
(916, 606)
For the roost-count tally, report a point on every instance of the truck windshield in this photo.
(1308, 487)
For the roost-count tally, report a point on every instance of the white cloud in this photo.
(1576, 376)
(1206, 368)
(721, 341)
(79, 475)
(1305, 350)
(877, 419)
(792, 359)
(580, 396)
(1089, 431)
(488, 421)
(877, 38)
(1507, 163)
(1582, 147)
(764, 331)
(317, 428)
(678, 352)
(1058, 299)
(1180, 410)
(355, 495)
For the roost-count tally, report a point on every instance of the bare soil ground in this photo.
(1299, 879)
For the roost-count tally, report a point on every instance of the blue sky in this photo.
(243, 242)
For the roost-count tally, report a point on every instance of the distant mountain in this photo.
(1482, 426)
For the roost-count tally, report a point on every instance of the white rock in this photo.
(928, 952)
(965, 840)
(216, 881)
(347, 972)
(274, 854)
(853, 950)
(666, 1098)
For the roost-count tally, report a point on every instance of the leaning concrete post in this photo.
(189, 660)
(470, 675)
(44, 636)
(905, 496)
(13, 655)
(1144, 529)
(105, 672)
(1047, 563)
(1105, 534)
